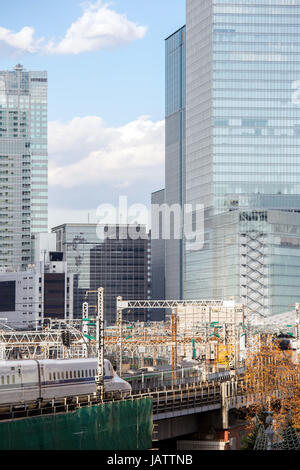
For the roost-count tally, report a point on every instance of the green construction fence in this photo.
(123, 425)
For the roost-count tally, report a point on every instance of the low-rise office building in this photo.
(42, 291)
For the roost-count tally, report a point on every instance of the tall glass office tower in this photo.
(23, 163)
(175, 155)
(243, 150)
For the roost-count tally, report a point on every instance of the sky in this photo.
(105, 63)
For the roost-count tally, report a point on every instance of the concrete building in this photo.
(23, 163)
(42, 244)
(42, 291)
(108, 257)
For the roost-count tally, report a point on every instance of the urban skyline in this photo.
(230, 178)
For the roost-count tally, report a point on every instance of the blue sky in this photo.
(99, 91)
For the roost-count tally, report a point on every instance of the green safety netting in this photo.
(124, 425)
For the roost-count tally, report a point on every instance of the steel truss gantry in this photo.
(170, 304)
(174, 306)
(42, 344)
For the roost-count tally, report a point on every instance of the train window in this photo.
(82, 373)
(58, 375)
(67, 374)
(94, 373)
(78, 374)
(90, 373)
(2, 380)
(71, 374)
(63, 375)
(86, 373)
(54, 376)
(13, 379)
(74, 374)
(50, 376)
(8, 379)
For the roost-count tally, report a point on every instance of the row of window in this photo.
(8, 381)
(72, 374)
(55, 376)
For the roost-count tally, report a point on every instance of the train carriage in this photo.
(28, 381)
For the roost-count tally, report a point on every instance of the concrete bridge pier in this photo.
(225, 394)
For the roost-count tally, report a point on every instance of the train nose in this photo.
(127, 387)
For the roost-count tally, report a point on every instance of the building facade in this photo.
(175, 46)
(242, 160)
(116, 258)
(242, 151)
(158, 260)
(23, 163)
(42, 291)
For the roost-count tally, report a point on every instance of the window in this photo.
(2, 380)
(54, 376)
(8, 379)
(71, 374)
(82, 373)
(50, 376)
(58, 375)
(13, 379)
(67, 374)
(63, 375)
(90, 373)
(86, 373)
(74, 374)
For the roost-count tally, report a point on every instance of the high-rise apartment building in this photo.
(23, 163)
(242, 153)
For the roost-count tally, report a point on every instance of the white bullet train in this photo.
(41, 381)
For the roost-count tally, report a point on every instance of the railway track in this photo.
(165, 400)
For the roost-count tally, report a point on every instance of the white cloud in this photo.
(61, 215)
(99, 27)
(23, 41)
(85, 152)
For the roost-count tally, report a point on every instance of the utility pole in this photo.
(119, 323)
(99, 379)
(174, 319)
(297, 307)
(85, 328)
(100, 345)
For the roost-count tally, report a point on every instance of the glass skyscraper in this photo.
(243, 150)
(175, 155)
(23, 163)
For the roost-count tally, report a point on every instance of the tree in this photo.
(249, 440)
(272, 376)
